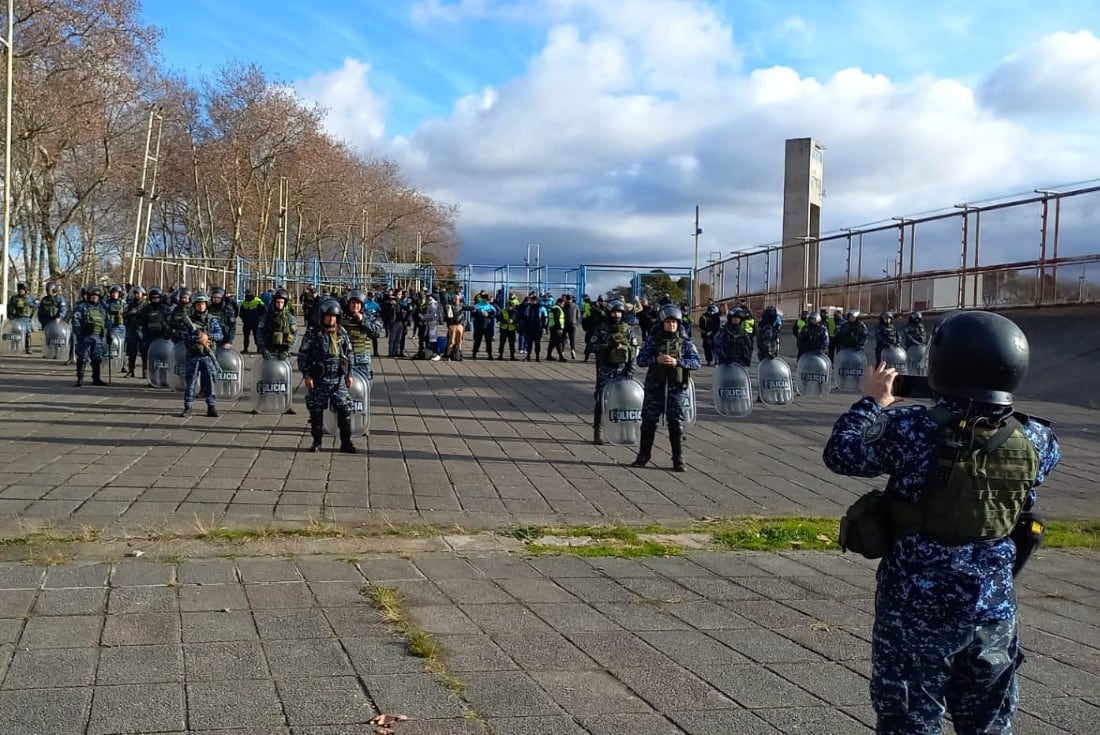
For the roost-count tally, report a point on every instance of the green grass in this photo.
(775, 534)
(1072, 534)
(621, 550)
(420, 643)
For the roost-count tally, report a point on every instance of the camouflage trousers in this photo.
(90, 348)
(361, 363)
(664, 397)
(330, 392)
(199, 367)
(919, 672)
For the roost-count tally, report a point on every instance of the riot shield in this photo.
(895, 358)
(916, 359)
(177, 367)
(622, 411)
(732, 389)
(56, 336)
(360, 408)
(14, 334)
(690, 410)
(813, 372)
(776, 386)
(272, 386)
(229, 378)
(159, 360)
(116, 351)
(850, 364)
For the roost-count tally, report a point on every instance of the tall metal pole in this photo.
(8, 41)
(153, 196)
(695, 270)
(141, 193)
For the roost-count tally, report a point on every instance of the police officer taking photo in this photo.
(952, 527)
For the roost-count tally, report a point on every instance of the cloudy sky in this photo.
(595, 127)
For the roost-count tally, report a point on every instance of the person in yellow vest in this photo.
(749, 323)
(508, 319)
(557, 330)
(828, 318)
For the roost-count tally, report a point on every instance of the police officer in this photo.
(831, 321)
(361, 326)
(710, 321)
(556, 322)
(532, 322)
(886, 335)
(962, 477)
(277, 330)
(768, 332)
(202, 333)
(614, 346)
(90, 334)
(131, 317)
(225, 311)
(732, 344)
(52, 307)
(670, 356)
(153, 322)
(852, 333)
(116, 308)
(325, 361)
(179, 314)
(915, 332)
(813, 336)
(19, 307)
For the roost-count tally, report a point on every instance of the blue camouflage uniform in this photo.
(733, 345)
(664, 392)
(332, 350)
(945, 634)
(886, 335)
(200, 360)
(614, 345)
(91, 325)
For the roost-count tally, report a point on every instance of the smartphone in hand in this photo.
(911, 386)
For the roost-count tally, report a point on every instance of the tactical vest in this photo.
(49, 308)
(974, 492)
(360, 340)
(799, 325)
(93, 322)
(156, 323)
(277, 331)
(830, 325)
(114, 310)
(671, 345)
(619, 349)
(201, 322)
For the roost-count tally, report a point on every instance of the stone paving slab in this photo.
(473, 444)
(538, 644)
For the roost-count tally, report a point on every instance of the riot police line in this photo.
(185, 343)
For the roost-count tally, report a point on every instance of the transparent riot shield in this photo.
(895, 358)
(159, 362)
(14, 334)
(813, 372)
(687, 401)
(732, 390)
(622, 411)
(850, 364)
(116, 351)
(776, 385)
(916, 359)
(177, 367)
(360, 408)
(272, 386)
(56, 340)
(229, 378)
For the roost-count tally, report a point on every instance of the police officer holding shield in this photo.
(325, 361)
(19, 307)
(91, 325)
(202, 333)
(732, 344)
(951, 527)
(614, 345)
(670, 355)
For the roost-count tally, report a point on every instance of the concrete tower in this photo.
(800, 263)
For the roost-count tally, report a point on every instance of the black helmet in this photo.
(183, 293)
(852, 314)
(616, 305)
(886, 315)
(115, 289)
(712, 309)
(813, 317)
(281, 293)
(155, 292)
(357, 295)
(769, 315)
(51, 288)
(137, 291)
(217, 291)
(915, 317)
(20, 286)
(94, 291)
(200, 297)
(671, 311)
(737, 311)
(977, 355)
(331, 306)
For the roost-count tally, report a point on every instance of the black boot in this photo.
(676, 440)
(649, 432)
(344, 423)
(79, 373)
(130, 362)
(317, 429)
(96, 380)
(211, 411)
(597, 425)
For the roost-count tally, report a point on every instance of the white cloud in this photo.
(356, 114)
(1058, 75)
(634, 112)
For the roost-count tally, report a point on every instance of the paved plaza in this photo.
(280, 637)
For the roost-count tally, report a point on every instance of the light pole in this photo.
(8, 41)
(695, 271)
(154, 119)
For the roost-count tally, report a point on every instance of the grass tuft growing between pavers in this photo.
(775, 534)
(1072, 534)
(620, 550)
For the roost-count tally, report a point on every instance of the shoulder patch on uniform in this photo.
(875, 431)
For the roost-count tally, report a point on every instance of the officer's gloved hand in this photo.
(267, 355)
